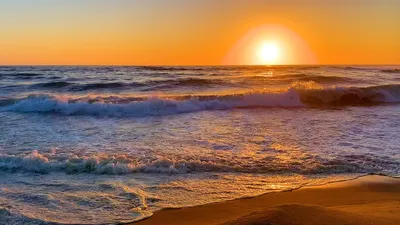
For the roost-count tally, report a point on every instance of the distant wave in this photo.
(391, 71)
(353, 68)
(352, 95)
(91, 86)
(21, 76)
(86, 84)
(183, 82)
(328, 79)
(296, 96)
(170, 68)
(73, 86)
(369, 68)
(305, 77)
(81, 87)
(213, 68)
(192, 82)
(125, 164)
(56, 84)
(186, 82)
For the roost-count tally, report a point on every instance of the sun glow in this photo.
(269, 53)
(270, 45)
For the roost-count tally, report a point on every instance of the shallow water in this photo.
(114, 144)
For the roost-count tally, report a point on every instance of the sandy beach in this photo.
(367, 200)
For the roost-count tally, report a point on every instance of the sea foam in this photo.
(125, 164)
(153, 106)
(297, 96)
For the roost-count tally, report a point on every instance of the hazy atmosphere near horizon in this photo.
(276, 112)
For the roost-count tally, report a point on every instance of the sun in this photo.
(270, 44)
(269, 53)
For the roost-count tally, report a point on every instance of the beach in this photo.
(366, 200)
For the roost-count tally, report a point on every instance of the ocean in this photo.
(105, 145)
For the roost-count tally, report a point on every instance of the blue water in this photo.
(93, 145)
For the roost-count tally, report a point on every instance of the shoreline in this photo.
(369, 199)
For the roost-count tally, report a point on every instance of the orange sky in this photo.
(179, 32)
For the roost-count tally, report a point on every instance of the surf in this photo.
(120, 106)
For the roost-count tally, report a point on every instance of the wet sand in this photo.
(367, 200)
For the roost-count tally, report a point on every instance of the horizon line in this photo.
(194, 65)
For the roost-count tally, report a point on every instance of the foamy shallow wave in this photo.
(125, 164)
(9, 218)
(297, 96)
(107, 202)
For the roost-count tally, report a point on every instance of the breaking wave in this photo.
(352, 96)
(297, 96)
(149, 107)
(125, 164)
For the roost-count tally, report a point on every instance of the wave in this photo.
(300, 95)
(25, 74)
(391, 71)
(4, 101)
(151, 106)
(234, 67)
(328, 79)
(22, 75)
(126, 164)
(372, 68)
(352, 96)
(11, 218)
(171, 68)
(353, 68)
(56, 84)
(113, 85)
(84, 87)
(305, 77)
(192, 82)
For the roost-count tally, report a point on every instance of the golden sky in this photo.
(207, 32)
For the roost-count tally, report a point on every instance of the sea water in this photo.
(102, 145)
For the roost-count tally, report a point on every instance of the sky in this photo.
(189, 32)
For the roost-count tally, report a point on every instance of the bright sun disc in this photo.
(269, 53)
